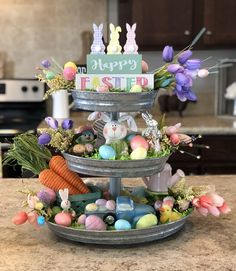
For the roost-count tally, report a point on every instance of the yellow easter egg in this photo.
(138, 153)
(146, 221)
(71, 65)
(136, 88)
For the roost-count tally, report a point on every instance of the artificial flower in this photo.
(44, 139)
(51, 122)
(67, 124)
(168, 53)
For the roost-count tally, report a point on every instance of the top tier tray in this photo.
(114, 102)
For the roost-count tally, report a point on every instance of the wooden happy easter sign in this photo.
(117, 81)
(114, 64)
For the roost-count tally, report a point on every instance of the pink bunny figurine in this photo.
(131, 46)
(97, 46)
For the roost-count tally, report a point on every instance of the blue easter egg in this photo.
(122, 225)
(107, 152)
(41, 220)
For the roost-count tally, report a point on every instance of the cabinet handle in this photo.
(209, 33)
(186, 32)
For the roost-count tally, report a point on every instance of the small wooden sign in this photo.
(114, 64)
(118, 81)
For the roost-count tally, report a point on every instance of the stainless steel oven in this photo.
(22, 108)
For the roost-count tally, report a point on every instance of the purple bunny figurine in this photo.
(97, 46)
(131, 46)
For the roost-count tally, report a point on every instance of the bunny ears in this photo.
(106, 118)
(64, 194)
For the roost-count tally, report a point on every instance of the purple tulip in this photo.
(174, 68)
(181, 79)
(190, 95)
(46, 63)
(183, 57)
(168, 53)
(67, 124)
(193, 64)
(51, 122)
(44, 139)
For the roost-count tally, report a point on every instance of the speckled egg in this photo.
(95, 223)
(111, 205)
(91, 207)
(122, 225)
(63, 219)
(81, 219)
(139, 153)
(138, 141)
(146, 221)
(136, 88)
(88, 148)
(107, 152)
(101, 202)
(78, 149)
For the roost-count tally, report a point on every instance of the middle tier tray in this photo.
(114, 102)
(115, 168)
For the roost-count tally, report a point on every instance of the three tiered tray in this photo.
(115, 170)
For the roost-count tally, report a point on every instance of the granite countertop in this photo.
(200, 124)
(205, 243)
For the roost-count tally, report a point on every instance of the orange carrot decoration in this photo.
(52, 180)
(58, 164)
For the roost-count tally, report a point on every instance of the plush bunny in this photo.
(65, 203)
(114, 129)
(131, 46)
(114, 44)
(97, 46)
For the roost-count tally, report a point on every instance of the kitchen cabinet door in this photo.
(158, 22)
(220, 21)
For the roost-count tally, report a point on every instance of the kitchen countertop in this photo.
(205, 243)
(201, 124)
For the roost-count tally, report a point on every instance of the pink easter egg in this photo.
(71, 65)
(95, 223)
(103, 88)
(111, 205)
(138, 141)
(20, 218)
(174, 138)
(144, 66)
(69, 73)
(81, 219)
(63, 219)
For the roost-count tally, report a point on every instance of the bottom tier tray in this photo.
(135, 236)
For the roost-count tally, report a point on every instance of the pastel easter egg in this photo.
(144, 66)
(63, 219)
(20, 218)
(79, 149)
(71, 64)
(69, 73)
(174, 138)
(104, 88)
(146, 221)
(38, 205)
(101, 202)
(139, 153)
(107, 152)
(81, 219)
(138, 141)
(95, 223)
(51, 194)
(136, 88)
(91, 207)
(111, 205)
(88, 148)
(122, 225)
(50, 75)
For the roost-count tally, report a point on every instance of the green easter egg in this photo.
(50, 75)
(55, 210)
(136, 88)
(121, 148)
(146, 221)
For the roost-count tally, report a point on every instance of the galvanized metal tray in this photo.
(127, 237)
(115, 168)
(114, 101)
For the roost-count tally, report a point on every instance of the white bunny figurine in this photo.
(97, 46)
(65, 203)
(114, 129)
(114, 44)
(131, 46)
